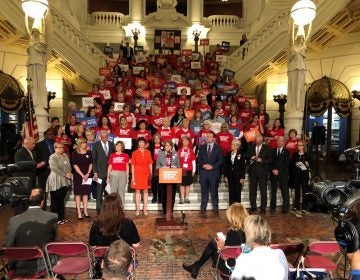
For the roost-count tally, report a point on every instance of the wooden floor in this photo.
(285, 228)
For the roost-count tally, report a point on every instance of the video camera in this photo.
(15, 189)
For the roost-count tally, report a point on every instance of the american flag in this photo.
(30, 125)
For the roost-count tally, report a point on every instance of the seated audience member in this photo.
(112, 224)
(34, 227)
(261, 261)
(117, 261)
(235, 215)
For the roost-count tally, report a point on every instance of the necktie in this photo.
(106, 148)
(278, 152)
(257, 151)
(209, 150)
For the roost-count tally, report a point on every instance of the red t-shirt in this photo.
(142, 117)
(186, 156)
(262, 118)
(124, 132)
(146, 134)
(291, 146)
(119, 162)
(97, 94)
(272, 133)
(246, 115)
(170, 110)
(113, 117)
(156, 120)
(166, 133)
(224, 141)
(181, 133)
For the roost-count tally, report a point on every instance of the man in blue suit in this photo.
(210, 160)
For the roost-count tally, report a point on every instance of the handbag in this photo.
(303, 273)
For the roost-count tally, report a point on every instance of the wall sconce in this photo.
(35, 9)
(196, 33)
(303, 13)
(50, 96)
(281, 99)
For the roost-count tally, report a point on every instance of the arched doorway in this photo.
(329, 105)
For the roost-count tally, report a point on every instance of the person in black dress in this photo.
(235, 215)
(300, 162)
(234, 171)
(83, 163)
(112, 224)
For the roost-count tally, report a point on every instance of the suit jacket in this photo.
(34, 227)
(259, 169)
(23, 155)
(42, 154)
(215, 159)
(237, 169)
(100, 159)
(161, 160)
(280, 162)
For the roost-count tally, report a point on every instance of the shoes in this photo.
(187, 200)
(80, 218)
(216, 212)
(181, 201)
(87, 216)
(252, 210)
(146, 213)
(272, 210)
(137, 213)
(263, 211)
(203, 213)
(154, 200)
(193, 269)
(285, 211)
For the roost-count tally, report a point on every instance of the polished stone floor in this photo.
(186, 245)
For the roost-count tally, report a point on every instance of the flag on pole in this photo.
(30, 128)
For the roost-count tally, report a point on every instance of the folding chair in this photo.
(32, 253)
(323, 250)
(73, 258)
(290, 249)
(228, 252)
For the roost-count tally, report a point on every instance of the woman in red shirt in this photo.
(263, 116)
(113, 117)
(274, 133)
(224, 138)
(255, 124)
(246, 114)
(142, 132)
(142, 115)
(104, 124)
(118, 171)
(235, 128)
(62, 138)
(188, 162)
(130, 117)
(291, 143)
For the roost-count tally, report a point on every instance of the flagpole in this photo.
(29, 85)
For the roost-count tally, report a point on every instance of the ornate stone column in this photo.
(137, 10)
(195, 10)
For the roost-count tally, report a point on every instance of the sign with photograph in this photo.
(226, 46)
(127, 142)
(118, 107)
(124, 67)
(87, 101)
(196, 65)
(138, 69)
(105, 93)
(187, 89)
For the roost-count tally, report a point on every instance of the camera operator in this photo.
(355, 257)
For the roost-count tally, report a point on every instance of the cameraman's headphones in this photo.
(346, 233)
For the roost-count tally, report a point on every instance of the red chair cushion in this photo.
(313, 261)
(71, 266)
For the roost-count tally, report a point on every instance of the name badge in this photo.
(185, 165)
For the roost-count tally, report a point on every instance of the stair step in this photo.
(194, 197)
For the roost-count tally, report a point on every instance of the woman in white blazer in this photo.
(58, 181)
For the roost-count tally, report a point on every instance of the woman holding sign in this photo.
(167, 158)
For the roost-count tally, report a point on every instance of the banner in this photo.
(105, 72)
(251, 134)
(204, 42)
(186, 52)
(187, 89)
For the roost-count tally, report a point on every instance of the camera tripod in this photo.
(316, 177)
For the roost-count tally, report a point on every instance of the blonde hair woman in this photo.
(83, 163)
(261, 260)
(235, 215)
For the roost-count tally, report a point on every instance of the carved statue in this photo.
(166, 4)
(296, 75)
(36, 68)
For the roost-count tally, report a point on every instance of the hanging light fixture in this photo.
(303, 12)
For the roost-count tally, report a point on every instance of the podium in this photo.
(169, 176)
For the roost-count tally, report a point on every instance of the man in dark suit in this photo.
(34, 227)
(128, 52)
(280, 175)
(44, 149)
(210, 160)
(101, 151)
(260, 158)
(27, 153)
